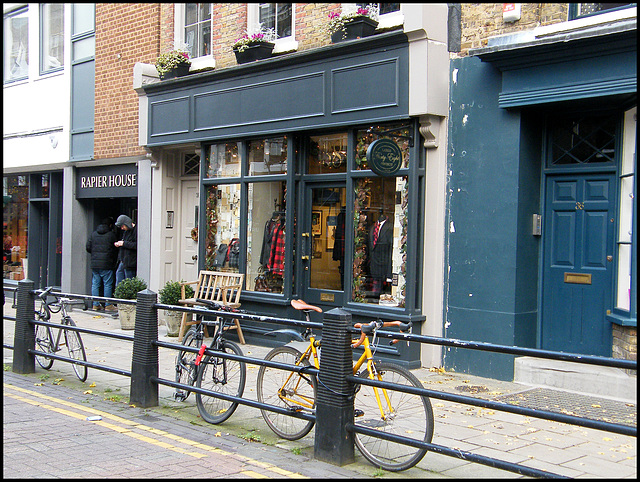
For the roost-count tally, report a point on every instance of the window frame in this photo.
(285, 44)
(197, 63)
(24, 11)
(44, 8)
(574, 10)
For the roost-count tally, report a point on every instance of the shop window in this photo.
(399, 133)
(222, 227)
(268, 156)
(52, 37)
(222, 160)
(380, 237)
(15, 216)
(266, 237)
(197, 29)
(16, 45)
(327, 154)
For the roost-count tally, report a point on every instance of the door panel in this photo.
(578, 267)
(322, 254)
(188, 261)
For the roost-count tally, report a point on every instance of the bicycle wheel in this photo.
(44, 342)
(409, 416)
(76, 350)
(185, 369)
(224, 376)
(286, 389)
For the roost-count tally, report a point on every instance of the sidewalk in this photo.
(551, 446)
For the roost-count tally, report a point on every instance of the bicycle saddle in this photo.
(304, 306)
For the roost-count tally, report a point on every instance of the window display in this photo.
(14, 226)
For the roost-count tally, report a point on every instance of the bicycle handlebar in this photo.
(372, 327)
(214, 305)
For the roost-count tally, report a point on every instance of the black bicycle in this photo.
(48, 343)
(211, 372)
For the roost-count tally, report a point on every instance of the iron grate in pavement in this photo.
(576, 404)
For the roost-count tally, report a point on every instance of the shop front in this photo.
(291, 195)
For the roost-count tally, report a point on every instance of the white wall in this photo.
(36, 111)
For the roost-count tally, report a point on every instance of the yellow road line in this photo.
(131, 425)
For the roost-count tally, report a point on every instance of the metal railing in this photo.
(336, 330)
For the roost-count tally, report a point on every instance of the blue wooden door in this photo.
(578, 263)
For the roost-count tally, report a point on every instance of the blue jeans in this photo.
(102, 277)
(122, 273)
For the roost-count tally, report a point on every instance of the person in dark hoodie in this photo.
(103, 262)
(128, 249)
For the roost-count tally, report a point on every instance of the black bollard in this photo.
(24, 336)
(334, 396)
(144, 359)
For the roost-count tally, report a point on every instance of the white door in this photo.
(188, 257)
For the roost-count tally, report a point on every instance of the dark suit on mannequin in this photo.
(380, 265)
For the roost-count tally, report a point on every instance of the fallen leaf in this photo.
(218, 434)
(607, 439)
(595, 405)
(92, 385)
(38, 384)
(87, 392)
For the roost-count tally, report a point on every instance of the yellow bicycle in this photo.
(385, 410)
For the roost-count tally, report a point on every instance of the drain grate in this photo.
(595, 408)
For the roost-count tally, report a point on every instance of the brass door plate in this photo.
(578, 278)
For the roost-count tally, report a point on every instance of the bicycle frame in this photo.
(311, 353)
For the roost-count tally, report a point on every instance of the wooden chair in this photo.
(222, 287)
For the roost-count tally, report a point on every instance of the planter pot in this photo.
(172, 319)
(358, 28)
(127, 316)
(180, 71)
(255, 52)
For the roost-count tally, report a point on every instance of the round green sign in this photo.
(384, 157)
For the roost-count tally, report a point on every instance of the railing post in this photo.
(24, 335)
(144, 359)
(334, 396)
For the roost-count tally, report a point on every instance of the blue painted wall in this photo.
(493, 190)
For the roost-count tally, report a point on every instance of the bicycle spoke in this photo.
(405, 415)
(186, 371)
(44, 343)
(76, 351)
(286, 389)
(224, 376)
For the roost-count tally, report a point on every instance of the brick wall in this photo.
(625, 342)
(126, 33)
(480, 21)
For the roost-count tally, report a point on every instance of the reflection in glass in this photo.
(327, 154)
(222, 246)
(268, 156)
(266, 237)
(222, 160)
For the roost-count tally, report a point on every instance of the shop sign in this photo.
(107, 181)
(384, 157)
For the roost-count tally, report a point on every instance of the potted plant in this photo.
(171, 294)
(255, 46)
(173, 64)
(353, 25)
(128, 289)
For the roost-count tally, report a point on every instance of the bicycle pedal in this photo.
(179, 396)
(358, 413)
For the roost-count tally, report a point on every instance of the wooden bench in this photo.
(222, 287)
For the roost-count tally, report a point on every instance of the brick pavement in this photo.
(551, 446)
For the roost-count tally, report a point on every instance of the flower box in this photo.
(180, 71)
(257, 51)
(359, 27)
